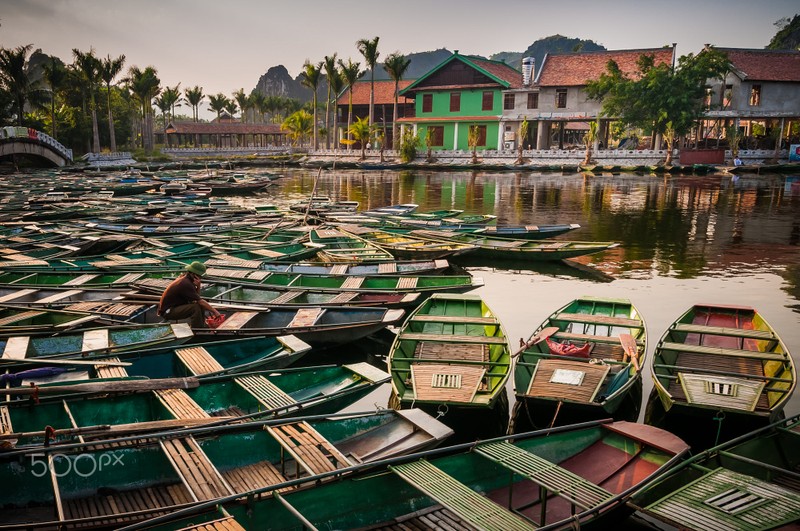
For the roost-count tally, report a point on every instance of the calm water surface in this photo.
(684, 239)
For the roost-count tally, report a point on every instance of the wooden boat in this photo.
(407, 247)
(749, 483)
(489, 248)
(253, 258)
(241, 294)
(55, 297)
(350, 283)
(341, 247)
(16, 321)
(398, 267)
(718, 372)
(69, 279)
(582, 363)
(218, 399)
(182, 468)
(556, 479)
(320, 205)
(452, 352)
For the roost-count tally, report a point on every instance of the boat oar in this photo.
(537, 338)
(631, 349)
(47, 361)
(114, 386)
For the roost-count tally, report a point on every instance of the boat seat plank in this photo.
(730, 352)
(464, 502)
(352, 283)
(407, 283)
(180, 404)
(128, 278)
(267, 393)
(95, 340)
(305, 317)
(232, 261)
(446, 383)
(108, 371)
(267, 253)
(18, 294)
(198, 360)
(20, 316)
(237, 320)
(79, 280)
(286, 297)
(449, 338)
(16, 347)
(591, 379)
(114, 506)
(569, 336)
(195, 469)
(724, 331)
(455, 319)
(308, 447)
(598, 319)
(5, 423)
(721, 391)
(60, 296)
(554, 478)
(227, 523)
(344, 297)
(339, 269)
(387, 267)
(330, 233)
(254, 476)
(444, 351)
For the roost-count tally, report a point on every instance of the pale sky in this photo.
(226, 45)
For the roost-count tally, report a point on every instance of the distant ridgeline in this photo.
(278, 82)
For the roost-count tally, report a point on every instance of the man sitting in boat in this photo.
(181, 299)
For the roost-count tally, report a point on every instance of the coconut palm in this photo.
(243, 101)
(172, 95)
(109, 69)
(299, 125)
(337, 84)
(15, 78)
(217, 103)
(309, 77)
(396, 65)
(369, 49)
(55, 74)
(330, 71)
(258, 100)
(360, 131)
(350, 73)
(145, 85)
(194, 97)
(88, 65)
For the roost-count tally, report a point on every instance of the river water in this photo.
(684, 239)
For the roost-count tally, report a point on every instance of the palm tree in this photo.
(369, 49)
(299, 124)
(56, 75)
(396, 65)
(145, 86)
(89, 67)
(330, 72)
(217, 103)
(259, 102)
(15, 78)
(194, 96)
(360, 131)
(336, 83)
(109, 69)
(350, 73)
(167, 102)
(243, 101)
(310, 78)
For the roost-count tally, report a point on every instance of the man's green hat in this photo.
(197, 268)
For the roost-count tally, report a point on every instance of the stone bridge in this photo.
(30, 142)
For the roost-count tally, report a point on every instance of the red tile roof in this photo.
(765, 65)
(223, 128)
(384, 93)
(574, 69)
(499, 70)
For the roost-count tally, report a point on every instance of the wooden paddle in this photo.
(631, 348)
(45, 361)
(537, 338)
(106, 387)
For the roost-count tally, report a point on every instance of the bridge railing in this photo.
(12, 132)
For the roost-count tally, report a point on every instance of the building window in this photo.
(561, 98)
(755, 95)
(488, 101)
(508, 102)
(427, 103)
(437, 135)
(455, 101)
(727, 96)
(533, 100)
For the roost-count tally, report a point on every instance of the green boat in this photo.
(341, 247)
(564, 478)
(582, 363)
(452, 355)
(491, 248)
(25, 321)
(178, 469)
(407, 247)
(749, 483)
(719, 372)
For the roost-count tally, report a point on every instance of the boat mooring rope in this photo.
(719, 418)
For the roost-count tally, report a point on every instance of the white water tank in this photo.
(527, 70)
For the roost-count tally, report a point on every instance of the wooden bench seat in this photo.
(226, 523)
(286, 297)
(181, 404)
(449, 338)
(470, 506)
(455, 319)
(16, 347)
(266, 392)
(344, 297)
(116, 505)
(352, 283)
(569, 336)
(128, 278)
(407, 283)
(80, 279)
(448, 352)
(387, 267)
(254, 476)
(733, 353)
(313, 453)
(94, 340)
(305, 317)
(598, 319)
(198, 360)
(108, 371)
(446, 383)
(17, 294)
(724, 331)
(560, 481)
(237, 320)
(19, 316)
(196, 471)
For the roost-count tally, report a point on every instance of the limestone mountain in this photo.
(551, 44)
(788, 35)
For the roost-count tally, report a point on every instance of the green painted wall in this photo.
(471, 105)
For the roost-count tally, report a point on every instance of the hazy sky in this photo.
(226, 45)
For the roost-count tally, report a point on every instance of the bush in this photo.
(408, 145)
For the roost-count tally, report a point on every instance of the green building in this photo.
(461, 92)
